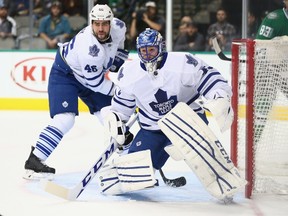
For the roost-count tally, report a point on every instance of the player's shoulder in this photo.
(276, 14)
(186, 64)
(118, 30)
(118, 25)
(86, 37)
(84, 34)
(86, 44)
(132, 63)
(131, 68)
(181, 58)
(130, 72)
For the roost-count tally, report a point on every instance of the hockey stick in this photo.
(218, 50)
(74, 193)
(177, 182)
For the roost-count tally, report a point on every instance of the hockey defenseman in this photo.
(79, 71)
(159, 83)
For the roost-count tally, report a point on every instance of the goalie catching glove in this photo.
(120, 58)
(118, 131)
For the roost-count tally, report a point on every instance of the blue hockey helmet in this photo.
(146, 39)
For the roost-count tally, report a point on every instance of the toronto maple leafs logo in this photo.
(163, 104)
(93, 50)
(191, 60)
(120, 23)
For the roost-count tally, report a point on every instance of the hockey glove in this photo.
(120, 58)
(128, 140)
(117, 130)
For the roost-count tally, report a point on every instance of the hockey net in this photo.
(259, 135)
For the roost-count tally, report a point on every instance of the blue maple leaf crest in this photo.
(120, 23)
(163, 104)
(191, 60)
(94, 50)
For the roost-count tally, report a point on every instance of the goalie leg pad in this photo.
(222, 112)
(174, 152)
(109, 181)
(127, 173)
(202, 151)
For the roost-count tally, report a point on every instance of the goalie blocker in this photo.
(193, 141)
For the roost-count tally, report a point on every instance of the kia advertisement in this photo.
(32, 73)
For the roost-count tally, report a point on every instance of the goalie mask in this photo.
(150, 47)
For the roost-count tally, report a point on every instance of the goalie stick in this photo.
(73, 193)
(177, 182)
(218, 50)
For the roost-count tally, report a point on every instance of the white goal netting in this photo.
(264, 64)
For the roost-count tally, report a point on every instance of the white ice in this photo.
(77, 152)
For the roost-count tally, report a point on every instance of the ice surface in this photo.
(74, 156)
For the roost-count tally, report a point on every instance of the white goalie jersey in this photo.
(156, 94)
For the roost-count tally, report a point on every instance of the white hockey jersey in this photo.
(181, 77)
(90, 60)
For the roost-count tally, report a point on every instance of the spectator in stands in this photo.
(190, 40)
(72, 7)
(38, 9)
(7, 23)
(55, 27)
(223, 30)
(253, 25)
(19, 7)
(182, 28)
(146, 19)
(185, 20)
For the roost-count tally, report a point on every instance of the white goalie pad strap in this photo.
(129, 172)
(222, 112)
(202, 151)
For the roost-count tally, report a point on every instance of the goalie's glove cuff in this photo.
(128, 141)
(120, 58)
(116, 127)
(117, 130)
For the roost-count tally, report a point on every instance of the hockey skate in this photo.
(35, 169)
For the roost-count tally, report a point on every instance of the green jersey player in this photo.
(274, 24)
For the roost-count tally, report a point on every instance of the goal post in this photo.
(259, 136)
